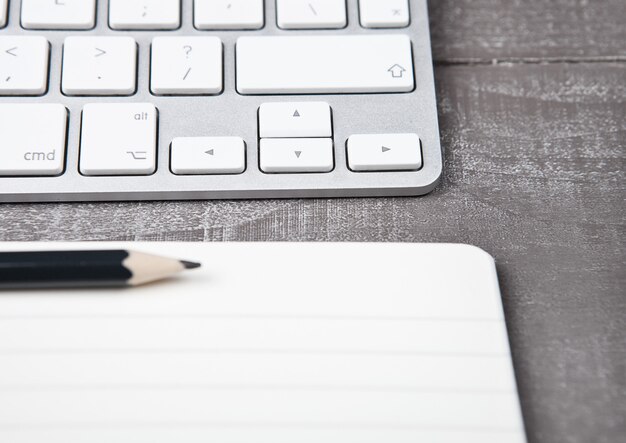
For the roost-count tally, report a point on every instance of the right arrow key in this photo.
(384, 152)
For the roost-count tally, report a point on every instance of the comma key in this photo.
(24, 152)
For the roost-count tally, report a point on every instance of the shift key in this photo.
(32, 139)
(324, 64)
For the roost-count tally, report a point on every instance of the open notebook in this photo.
(267, 343)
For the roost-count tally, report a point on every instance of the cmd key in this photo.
(28, 152)
(324, 64)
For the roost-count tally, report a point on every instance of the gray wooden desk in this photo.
(532, 103)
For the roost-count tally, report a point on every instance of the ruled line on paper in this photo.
(253, 387)
(261, 425)
(249, 317)
(249, 351)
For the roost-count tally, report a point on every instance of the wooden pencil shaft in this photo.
(50, 269)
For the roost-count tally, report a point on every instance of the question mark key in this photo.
(175, 72)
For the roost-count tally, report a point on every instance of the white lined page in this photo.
(266, 343)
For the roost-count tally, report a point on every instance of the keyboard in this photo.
(215, 99)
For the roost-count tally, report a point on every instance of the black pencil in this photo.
(74, 269)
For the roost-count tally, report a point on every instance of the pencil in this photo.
(76, 269)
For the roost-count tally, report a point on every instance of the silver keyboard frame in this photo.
(231, 114)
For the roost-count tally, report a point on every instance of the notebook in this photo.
(267, 343)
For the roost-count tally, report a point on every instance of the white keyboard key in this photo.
(384, 13)
(384, 152)
(58, 14)
(324, 64)
(307, 119)
(32, 139)
(144, 14)
(3, 13)
(208, 155)
(228, 14)
(118, 139)
(99, 66)
(311, 14)
(23, 65)
(186, 65)
(281, 155)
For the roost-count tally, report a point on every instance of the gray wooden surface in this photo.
(532, 104)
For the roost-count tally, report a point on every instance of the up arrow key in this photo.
(296, 114)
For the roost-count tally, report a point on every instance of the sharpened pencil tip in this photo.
(190, 264)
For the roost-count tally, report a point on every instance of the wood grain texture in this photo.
(528, 29)
(534, 174)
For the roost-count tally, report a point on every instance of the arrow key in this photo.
(23, 65)
(384, 152)
(208, 155)
(283, 155)
(302, 119)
